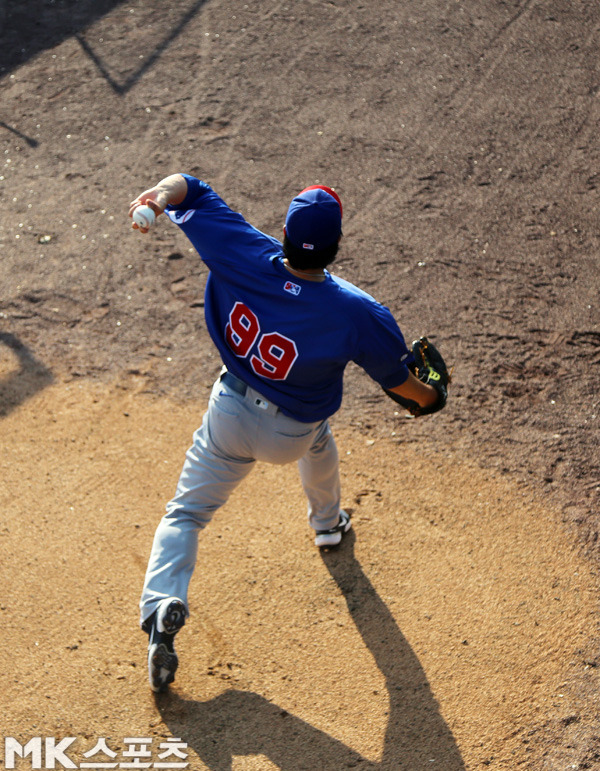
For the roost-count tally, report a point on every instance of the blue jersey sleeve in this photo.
(381, 349)
(223, 238)
(196, 189)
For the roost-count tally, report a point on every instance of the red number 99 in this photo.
(276, 353)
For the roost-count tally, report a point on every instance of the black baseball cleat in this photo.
(162, 626)
(334, 536)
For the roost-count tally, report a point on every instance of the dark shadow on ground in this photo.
(29, 140)
(30, 26)
(239, 723)
(416, 735)
(168, 38)
(27, 379)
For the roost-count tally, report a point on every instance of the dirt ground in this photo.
(458, 627)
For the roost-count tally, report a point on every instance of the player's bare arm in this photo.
(416, 391)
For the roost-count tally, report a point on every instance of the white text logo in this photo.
(52, 753)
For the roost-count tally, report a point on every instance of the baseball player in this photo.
(285, 328)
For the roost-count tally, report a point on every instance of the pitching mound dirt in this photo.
(451, 628)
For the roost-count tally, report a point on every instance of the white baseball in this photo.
(144, 217)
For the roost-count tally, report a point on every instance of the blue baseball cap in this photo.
(314, 218)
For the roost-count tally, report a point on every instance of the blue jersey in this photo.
(288, 338)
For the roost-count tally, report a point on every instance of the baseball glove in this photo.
(430, 367)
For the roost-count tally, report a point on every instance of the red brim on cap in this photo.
(329, 190)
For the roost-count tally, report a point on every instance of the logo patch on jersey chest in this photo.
(292, 288)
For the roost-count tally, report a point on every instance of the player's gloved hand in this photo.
(431, 368)
(427, 368)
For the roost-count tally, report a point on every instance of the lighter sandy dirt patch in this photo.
(448, 632)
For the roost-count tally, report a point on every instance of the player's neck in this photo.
(312, 274)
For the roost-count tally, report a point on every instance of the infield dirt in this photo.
(458, 627)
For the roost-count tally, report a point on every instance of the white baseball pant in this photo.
(237, 430)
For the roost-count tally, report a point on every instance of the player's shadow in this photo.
(239, 723)
(23, 381)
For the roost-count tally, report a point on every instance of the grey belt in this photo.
(234, 383)
(244, 390)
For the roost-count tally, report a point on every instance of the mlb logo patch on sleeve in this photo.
(179, 217)
(292, 288)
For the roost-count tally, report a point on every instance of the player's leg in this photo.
(208, 477)
(281, 439)
(319, 472)
(211, 471)
(205, 485)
